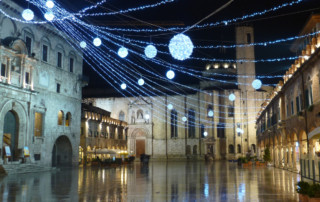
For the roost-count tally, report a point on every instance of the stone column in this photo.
(289, 153)
(8, 70)
(285, 157)
(294, 157)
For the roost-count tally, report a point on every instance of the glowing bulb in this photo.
(97, 41)
(141, 81)
(27, 14)
(49, 15)
(150, 51)
(50, 4)
(210, 113)
(170, 106)
(83, 44)
(181, 47)
(170, 74)
(123, 86)
(256, 84)
(147, 116)
(205, 134)
(123, 52)
(232, 97)
(184, 119)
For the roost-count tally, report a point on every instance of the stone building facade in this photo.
(289, 122)
(211, 121)
(41, 75)
(100, 134)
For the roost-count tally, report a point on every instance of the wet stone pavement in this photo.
(159, 181)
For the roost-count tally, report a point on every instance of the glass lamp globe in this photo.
(141, 81)
(170, 74)
(184, 119)
(83, 44)
(49, 16)
(205, 134)
(232, 97)
(97, 42)
(27, 14)
(123, 52)
(50, 4)
(123, 86)
(170, 106)
(256, 84)
(181, 47)
(150, 51)
(210, 113)
(147, 116)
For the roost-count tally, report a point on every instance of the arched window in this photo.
(174, 124)
(191, 123)
(60, 117)
(68, 119)
(239, 148)
(231, 149)
(121, 116)
(139, 114)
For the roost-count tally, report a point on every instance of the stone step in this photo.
(24, 168)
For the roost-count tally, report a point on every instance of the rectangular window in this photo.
(27, 78)
(3, 70)
(59, 59)
(288, 112)
(45, 53)
(58, 87)
(230, 111)
(248, 38)
(38, 121)
(292, 107)
(220, 130)
(28, 44)
(71, 64)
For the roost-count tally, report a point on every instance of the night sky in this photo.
(275, 25)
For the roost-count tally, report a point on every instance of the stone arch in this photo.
(62, 152)
(68, 119)
(138, 141)
(9, 28)
(73, 55)
(139, 114)
(46, 41)
(60, 47)
(19, 110)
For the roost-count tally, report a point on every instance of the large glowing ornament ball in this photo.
(170, 74)
(50, 4)
(256, 84)
(123, 86)
(150, 51)
(205, 134)
(141, 81)
(123, 52)
(27, 14)
(83, 44)
(210, 113)
(232, 97)
(49, 16)
(97, 42)
(170, 106)
(184, 119)
(181, 47)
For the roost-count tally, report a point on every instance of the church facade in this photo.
(40, 76)
(190, 126)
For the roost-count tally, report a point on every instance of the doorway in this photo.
(10, 134)
(62, 152)
(140, 147)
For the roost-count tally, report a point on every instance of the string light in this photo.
(83, 44)
(141, 81)
(97, 41)
(210, 113)
(123, 86)
(181, 47)
(256, 84)
(150, 51)
(232, 97)
(50, 4)
(170, 106)
(123, 52)
(27, 14)
(170, 74)
(205, 133)
(49, 16)
(184, 119)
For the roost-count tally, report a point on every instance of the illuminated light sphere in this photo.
(147, 116)
(256, 84)
(239, 130)
(232, 97)
(27, 14)
(205, 134)
(97, 41)
(184, 119)
(83, 44)
(150, 51)
(170, 106)
(50, 4)
(181, 47)
(123, 86)
(210, 113)
(170, 74)
(141, 81)
(49, 15)
(123, 52)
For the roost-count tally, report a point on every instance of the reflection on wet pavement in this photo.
(160, 181)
